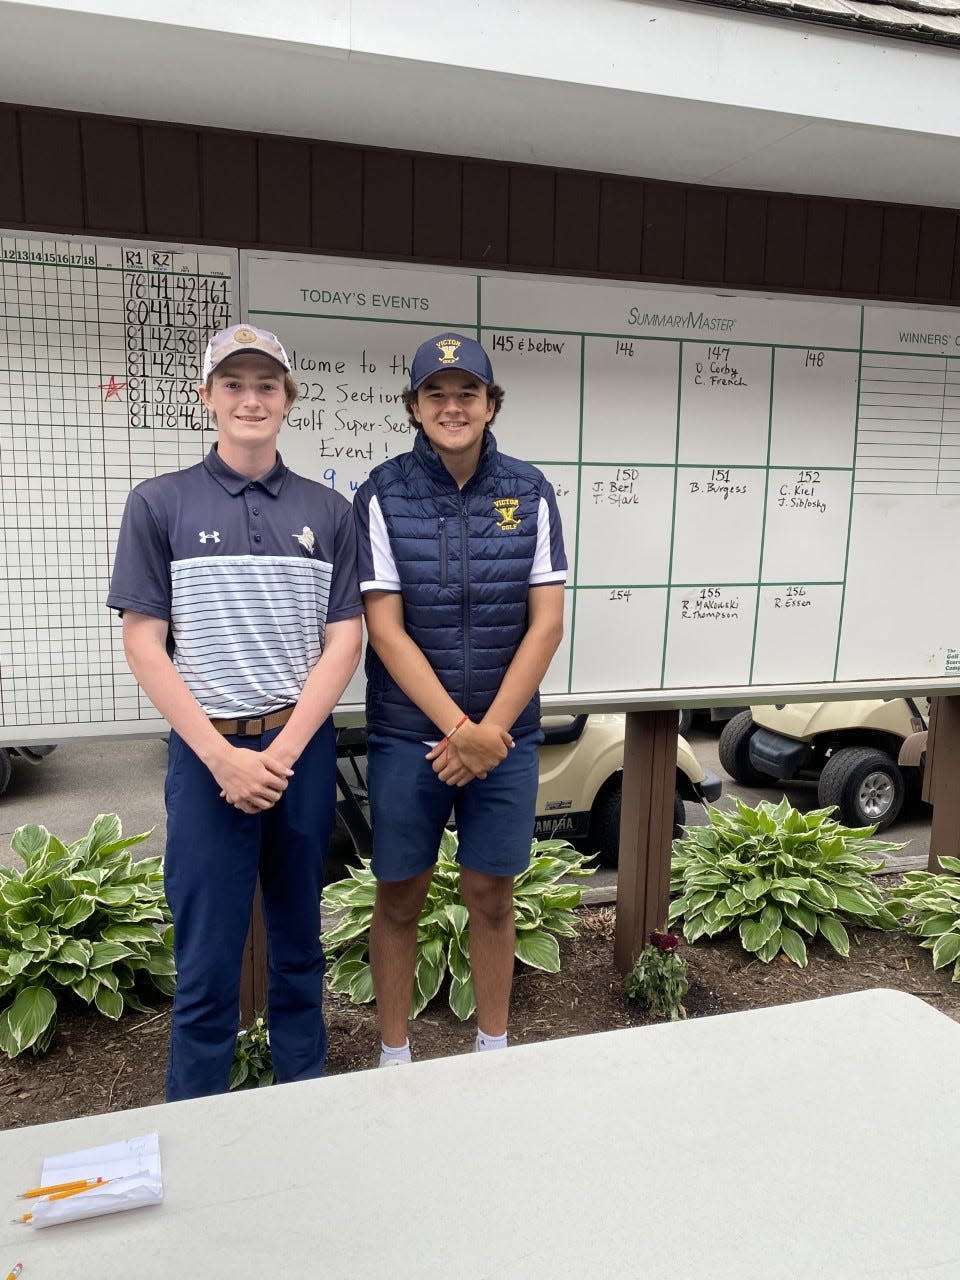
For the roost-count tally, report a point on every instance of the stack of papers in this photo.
(131, 1167)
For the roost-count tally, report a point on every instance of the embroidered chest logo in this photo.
(505, 509)
(448, 350)
(209, 537)
(306, 538)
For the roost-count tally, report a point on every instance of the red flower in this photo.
(665, 941)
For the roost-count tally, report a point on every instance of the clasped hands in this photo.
(474, 751)
(251, 781)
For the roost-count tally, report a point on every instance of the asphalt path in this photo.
(81, 779)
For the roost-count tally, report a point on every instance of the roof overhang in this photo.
(674, 91)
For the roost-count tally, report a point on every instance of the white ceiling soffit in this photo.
(657, 90)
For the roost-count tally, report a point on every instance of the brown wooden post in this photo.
(253, 974)
(941, 779)
(646, 830)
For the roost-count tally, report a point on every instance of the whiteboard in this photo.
(757, 492)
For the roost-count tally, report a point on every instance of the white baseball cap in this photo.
(241, 339)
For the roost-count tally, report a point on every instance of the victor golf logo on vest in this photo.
(505, 509)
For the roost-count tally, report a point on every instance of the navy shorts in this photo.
(410, 806)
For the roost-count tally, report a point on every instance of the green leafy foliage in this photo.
(659, 978)
(252, 1065)
(779, 877)
(928, 905)
(543, 911)
(81, 918)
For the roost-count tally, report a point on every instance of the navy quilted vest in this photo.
(464, 566)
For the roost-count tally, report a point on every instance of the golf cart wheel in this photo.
(734, 751)
(864, 785)
(605, 824)
(685, 722)
(679, 816)
(6, 769)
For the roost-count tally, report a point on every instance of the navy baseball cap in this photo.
(449, 351)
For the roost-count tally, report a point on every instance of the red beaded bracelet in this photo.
(443, 741)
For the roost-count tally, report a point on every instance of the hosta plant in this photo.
(543, 910)
(83, 919)
(779, 877)
(928, 905)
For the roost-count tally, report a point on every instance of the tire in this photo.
(679, 815)
(686, 722)
(865, 785)
(605, 823)
(6, 769)
(340, 853)
(734, 751)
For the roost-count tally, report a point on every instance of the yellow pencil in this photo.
(12, 1275)
(65, 1195)
(80, 1184)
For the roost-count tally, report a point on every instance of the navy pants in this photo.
(214, 855)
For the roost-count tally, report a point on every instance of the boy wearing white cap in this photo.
(236, 580)
(462, 570)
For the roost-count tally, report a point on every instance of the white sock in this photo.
(389, 1056)
(485, 1042)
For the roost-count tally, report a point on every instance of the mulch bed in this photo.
(96, 1066)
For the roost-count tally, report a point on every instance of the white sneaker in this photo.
(390, 1060)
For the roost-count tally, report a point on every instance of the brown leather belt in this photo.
(250, 726)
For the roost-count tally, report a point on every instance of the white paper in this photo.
(133, 1170)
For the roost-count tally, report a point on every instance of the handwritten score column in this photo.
(84, 415)
(807, 514)
(722, 454)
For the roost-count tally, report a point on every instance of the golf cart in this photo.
(852, 750)
(581, 782)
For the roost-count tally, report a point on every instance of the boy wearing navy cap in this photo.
(236, 580)
(462, 570)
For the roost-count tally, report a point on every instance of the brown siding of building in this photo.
(485, 214)
(228, 187)
(52, 172)
(706, 235)
(337, 186)
(437, 201)
(11, 188)
(284, 191)
(862, 241)
(171, 183)
(112, 174)
(388, 204)
(95, 175)
(577, 223)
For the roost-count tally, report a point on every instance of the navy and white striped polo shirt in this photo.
(247, 572)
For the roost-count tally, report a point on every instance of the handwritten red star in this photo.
(112, 389)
